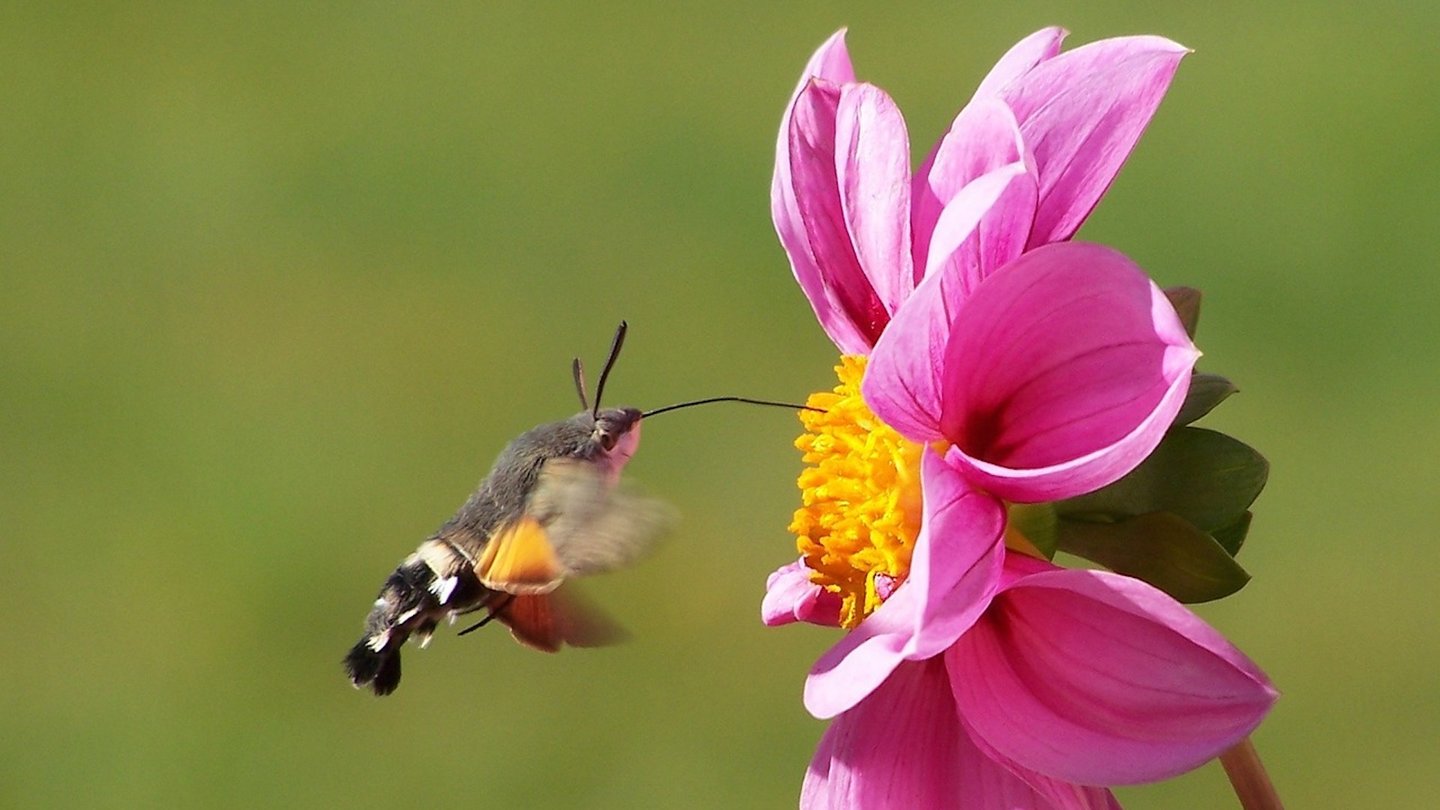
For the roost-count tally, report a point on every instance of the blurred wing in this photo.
(614, 537)
(576, 523)
(593, 525)
(549, 621)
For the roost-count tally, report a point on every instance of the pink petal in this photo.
(904, 747)
(872, 162)
(814, 157)
(1062, 373)
(902, 380)
(1040, 85)
(901, 747)
(953, 572)
(933, 187)
(1081, 114)
(1000, 237)
(1095, 678)
(1061, 795)
(831, 63)
(983, 138)
(790, 596)
(1022, 57)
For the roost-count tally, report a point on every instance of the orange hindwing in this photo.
(520, 559)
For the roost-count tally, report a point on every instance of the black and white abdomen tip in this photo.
(428, 586)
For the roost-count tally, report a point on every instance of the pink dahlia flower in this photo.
(1016, 371)
(1047, 130)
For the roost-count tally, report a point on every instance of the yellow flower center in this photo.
(861, 497)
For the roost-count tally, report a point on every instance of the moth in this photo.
(552, 508)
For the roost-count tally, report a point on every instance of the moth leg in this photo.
(491, 616)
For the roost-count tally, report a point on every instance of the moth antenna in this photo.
(615, 345)
(747, 400)
(577, 369)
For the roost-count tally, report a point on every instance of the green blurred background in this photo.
(278, 280)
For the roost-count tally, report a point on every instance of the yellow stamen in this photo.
(861, 497)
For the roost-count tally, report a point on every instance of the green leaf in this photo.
(1232, 537)
(1039, 523)
(1162, 549)
(1206, 391)
(1202, 476)
(1186, 301)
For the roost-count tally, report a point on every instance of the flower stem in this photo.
(1248, 777)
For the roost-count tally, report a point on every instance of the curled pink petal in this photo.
(984, 137)
(902, 382)
(1080, 114)
(929, 195)
(905, 747)
(848, 293)
(1000, 236)
(1062, 373)
(954, 570)
(832, 64)
(1095, 678)
(872, 162)
(790, 596)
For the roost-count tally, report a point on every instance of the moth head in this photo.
(614, 432)
(617, 433)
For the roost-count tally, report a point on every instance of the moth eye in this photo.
(607, 441)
